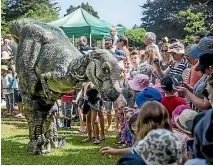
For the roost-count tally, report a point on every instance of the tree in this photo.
(135, 36)
(44, 10)
(4, 28)
(157, 16)
(194, 22)
(85, 6)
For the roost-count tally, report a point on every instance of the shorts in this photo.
(108, 106)
(96, 106)
(66, 108)
(17, 96)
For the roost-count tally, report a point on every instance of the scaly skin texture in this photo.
(48, 66)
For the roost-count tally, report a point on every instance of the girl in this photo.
(167, 58)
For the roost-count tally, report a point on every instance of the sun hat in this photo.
(4, 67)
(148, 94)
(204, 61)
(186, 116)
(177, 111)
(177, 48)
(160, 147)
(204, 46)
(139, 82)
(191, 124)
(5, 55)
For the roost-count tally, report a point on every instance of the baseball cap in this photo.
(205, 45)
(148, 94)
(205, 61)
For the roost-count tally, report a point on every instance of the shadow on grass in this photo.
(15, 153)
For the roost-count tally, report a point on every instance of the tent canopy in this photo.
(81, 23)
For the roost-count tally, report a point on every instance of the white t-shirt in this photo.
(5, 84)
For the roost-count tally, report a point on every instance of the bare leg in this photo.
(82, 124)
(101, 119)
(89, 125)
(95, 123)
(109, 120)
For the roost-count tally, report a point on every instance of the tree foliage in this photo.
(85, 6)
(194, 23)
(44, 10)
(135, 36)
(157, 16)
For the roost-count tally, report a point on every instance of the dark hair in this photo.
(123, 39)
(200, 34)
(167, 83)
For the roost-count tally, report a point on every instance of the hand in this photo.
(156, 63)
(181, 90)
(107, 150)
(187, 86)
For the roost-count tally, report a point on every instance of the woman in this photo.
(179, 65)
(167, 58)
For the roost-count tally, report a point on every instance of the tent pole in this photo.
(90, 39)
(73, 40)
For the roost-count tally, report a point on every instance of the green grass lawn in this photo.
(14, 139)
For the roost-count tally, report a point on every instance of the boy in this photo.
(7, 83)
(170, 100)
(113, 36)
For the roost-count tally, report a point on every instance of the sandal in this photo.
(86, 139)
(97, 141)
(103, 138)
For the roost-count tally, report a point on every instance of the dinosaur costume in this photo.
(48, 66)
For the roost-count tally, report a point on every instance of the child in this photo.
(170, 100)
(7, 83)
(134, 60)
(113, 35)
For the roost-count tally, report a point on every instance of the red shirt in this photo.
(171, 102)
(68, 97)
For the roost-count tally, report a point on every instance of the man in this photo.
(83, 46)
(122, 45)
(150, 39)
(198, 36)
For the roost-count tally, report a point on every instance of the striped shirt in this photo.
(179, 69)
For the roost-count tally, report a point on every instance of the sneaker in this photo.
(86, 139)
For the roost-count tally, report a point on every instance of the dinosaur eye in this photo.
(107, 71)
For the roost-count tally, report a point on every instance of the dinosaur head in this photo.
(103, 71)
(17, 26)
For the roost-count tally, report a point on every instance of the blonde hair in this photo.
(152, 115)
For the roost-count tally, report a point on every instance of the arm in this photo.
(113, 151)
(160, 72)
(201, 104)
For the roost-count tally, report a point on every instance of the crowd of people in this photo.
(164, 112)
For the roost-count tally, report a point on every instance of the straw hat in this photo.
(185, 117)
(5, 55)
(4, 67)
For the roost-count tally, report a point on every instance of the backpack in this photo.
(10, 82)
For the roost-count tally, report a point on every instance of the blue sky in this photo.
(126, 12)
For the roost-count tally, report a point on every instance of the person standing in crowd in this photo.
(166, 57)
(194, 76)
(83, 46)
(17, 97)
(170, 100)
(179, 65)
(198, 37)
(6, 47)
(122, 44)
(7, 60)
(204, 52)
(7, 84)
(150, 40)
(134, 60)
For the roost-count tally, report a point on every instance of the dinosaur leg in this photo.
(35, 114)
(51, 132)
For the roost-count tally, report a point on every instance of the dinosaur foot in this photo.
(36, 147)
(58, 142)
